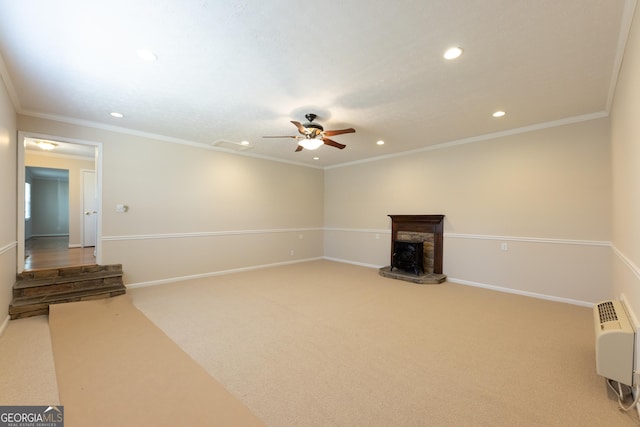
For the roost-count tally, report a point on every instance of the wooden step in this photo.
(33, 287)
(37, 305)
(35, 290)
(60, 274)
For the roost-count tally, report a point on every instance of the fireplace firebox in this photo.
(408, 256)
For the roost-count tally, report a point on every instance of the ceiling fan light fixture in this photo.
(311, 143)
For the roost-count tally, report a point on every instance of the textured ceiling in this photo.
(239, 70)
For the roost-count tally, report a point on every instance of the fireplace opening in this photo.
(408, 256)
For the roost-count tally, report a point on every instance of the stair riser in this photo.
(43, 308)
(35, 290)
(80, 284)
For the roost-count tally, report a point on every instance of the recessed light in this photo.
(499, 114)
(118, 115)
(381, 142)
(453, 53)
(146, 55)
(244, 143)
(316, 158)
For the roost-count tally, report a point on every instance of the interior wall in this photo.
(74, 166)
(196, 211)
(8, 196)
(546, 194)
(625, 137)
(50, 207)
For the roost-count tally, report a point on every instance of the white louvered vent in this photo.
(614, 342)
(607, 312)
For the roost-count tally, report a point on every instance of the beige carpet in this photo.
(330, 344)
(27, 372)
(116, 368)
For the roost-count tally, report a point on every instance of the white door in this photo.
(89, 208)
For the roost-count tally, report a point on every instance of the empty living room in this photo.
(357, 213)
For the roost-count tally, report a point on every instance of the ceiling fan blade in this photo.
(338, 132)
(283, 136)
(303, 130)
(298, 148)
(332, 143)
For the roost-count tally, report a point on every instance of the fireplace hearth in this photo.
(416, 249)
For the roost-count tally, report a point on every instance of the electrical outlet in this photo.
(377, 236)
(504, 246)
(291, 252)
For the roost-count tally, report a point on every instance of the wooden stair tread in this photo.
(32, 283)
(65, 271)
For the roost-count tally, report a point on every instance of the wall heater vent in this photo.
(614, 342)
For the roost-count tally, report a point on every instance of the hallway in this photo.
(51, 252)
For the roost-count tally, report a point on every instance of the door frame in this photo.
(20, 190)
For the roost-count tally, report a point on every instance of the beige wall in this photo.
(74, 166)
(8, 231)
(556, 196)
(545, 193)
(195, 211)
(625, 137)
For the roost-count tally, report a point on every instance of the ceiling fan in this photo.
(312, 135)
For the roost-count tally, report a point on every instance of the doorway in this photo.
(74, 240)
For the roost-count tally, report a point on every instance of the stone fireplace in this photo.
(416, 248)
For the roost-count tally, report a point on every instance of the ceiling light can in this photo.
(453, 52)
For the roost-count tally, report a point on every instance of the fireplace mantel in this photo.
(421, 224)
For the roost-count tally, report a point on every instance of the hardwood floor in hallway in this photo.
(51, 252)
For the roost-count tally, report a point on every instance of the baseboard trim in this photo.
(4, 325)
(449, 279)
(344, 261)
(213, 273)
(523, 293)
(486, 286)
